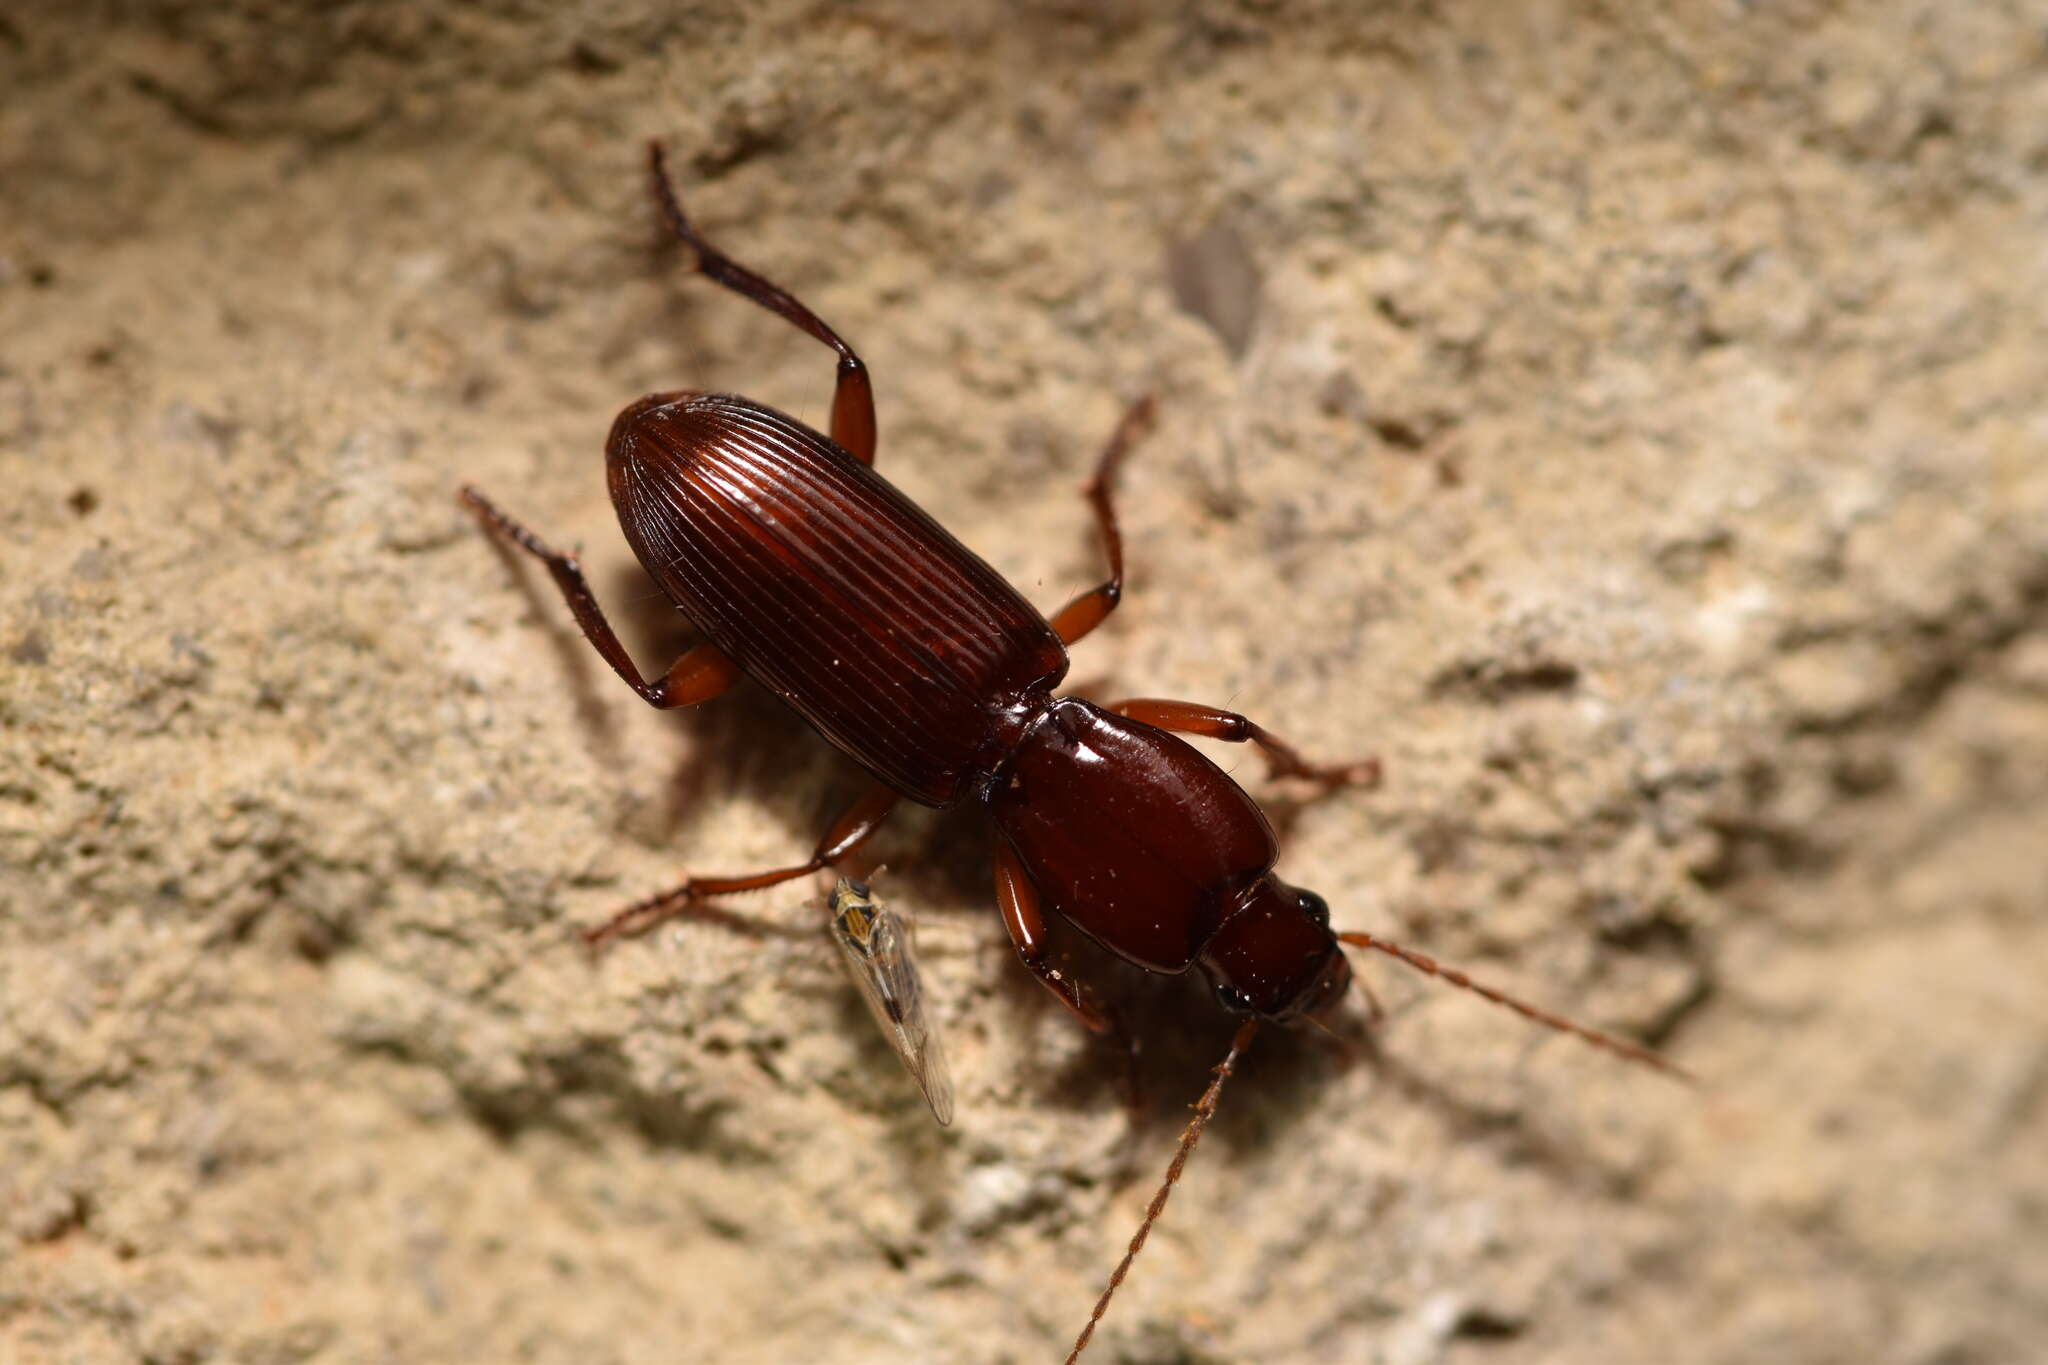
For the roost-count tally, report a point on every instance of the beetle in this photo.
(806, 570)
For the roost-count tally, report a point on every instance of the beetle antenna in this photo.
(1204, 1108)
(1604, 1041)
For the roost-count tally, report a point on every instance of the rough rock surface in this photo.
(1626, 420)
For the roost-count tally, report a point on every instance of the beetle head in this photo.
(1275, 956)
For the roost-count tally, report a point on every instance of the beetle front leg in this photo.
(699, 675)
(852, 829)
(1017, 899)
(1282, 759)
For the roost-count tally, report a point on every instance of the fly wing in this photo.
(875, 942)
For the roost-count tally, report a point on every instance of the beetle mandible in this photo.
(807, 571)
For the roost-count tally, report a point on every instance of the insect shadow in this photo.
(752, 749)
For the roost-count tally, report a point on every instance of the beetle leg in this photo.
(853, 394)
(698, 676)
(1018, 901)
(1282, 760)
(847, 833)
(1091, 608)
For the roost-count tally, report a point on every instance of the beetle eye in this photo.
(1315, 907)
(1233, 999)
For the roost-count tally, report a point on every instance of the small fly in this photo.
(876, 943)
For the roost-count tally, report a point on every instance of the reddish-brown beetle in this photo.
(809, 572)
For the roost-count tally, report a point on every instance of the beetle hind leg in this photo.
(853, 393)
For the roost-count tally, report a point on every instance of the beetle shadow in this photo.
(747, 745)
(744, 745)
(1168, 1032)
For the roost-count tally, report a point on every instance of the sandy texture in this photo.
(1628, 423)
